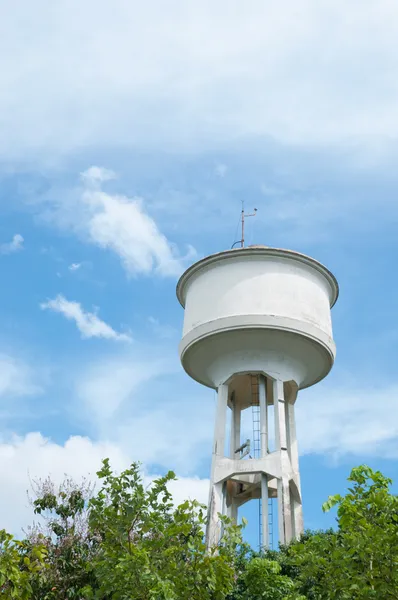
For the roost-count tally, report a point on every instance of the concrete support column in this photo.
(235, 443)
(235, 428)
(216, 495)
(279, 414)
(264, 451)
(263, 417)
(221, 418)
(233, 511)
(294, 459)
(285, 524)
(284, 504)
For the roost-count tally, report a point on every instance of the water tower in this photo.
(257, 328)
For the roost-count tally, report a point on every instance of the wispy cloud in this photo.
(162, 330)
(117, 223)
(16, 245)
(97, 175)
(89, 324)
(74, 267)
(144, 391)
(249, 51)
(221, 170)
(348, 422)
(105, 386)
(121, 224)
(16, 378)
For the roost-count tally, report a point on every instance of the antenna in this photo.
(242, 220)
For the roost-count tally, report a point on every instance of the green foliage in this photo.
(17, 567)
(359, 560)
(308, 562)
(260, 576)
(129, 542)
(263, 580)
(70, 546)
(126, 541)
(151, 550)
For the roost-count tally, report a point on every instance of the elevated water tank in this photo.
(257, 309)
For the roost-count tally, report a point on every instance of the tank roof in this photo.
(257, 250)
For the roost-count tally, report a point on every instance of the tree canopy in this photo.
(129, 541)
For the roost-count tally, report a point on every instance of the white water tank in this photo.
(257, 309)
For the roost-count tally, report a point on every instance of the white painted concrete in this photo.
(258, 305)
(235, 429)
(256, 282)
(257, 315)
(216, 502)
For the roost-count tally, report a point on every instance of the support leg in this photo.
(285, 523)
(264, 450)
(235, 429)
(216, 490)
(264, 511)
(216, 502)
(233, 511)
(294, 459)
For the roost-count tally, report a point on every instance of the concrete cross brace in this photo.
(225, 468)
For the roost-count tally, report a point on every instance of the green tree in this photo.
(260, 576)
(128, 541)
(70, 546)
(263, 580)
(360, 560)
(151, 550)
(17, 566)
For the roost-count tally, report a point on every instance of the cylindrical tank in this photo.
(257, 309)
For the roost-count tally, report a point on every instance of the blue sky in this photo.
(128, 138)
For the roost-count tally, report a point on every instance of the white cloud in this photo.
(16, 245)
(192, 488)
(161, 330)
(342, 422)
(16, 378)
(74, 267)
(173, 433)
(139, 401)
(227, 71)
(122, 225)
(23, 459)
(142, 415)
(89, 324)
(97, 175)
(116, 223)
(107, 384)
(221, 170)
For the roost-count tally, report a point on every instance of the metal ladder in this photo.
(255, 403)
(271, 523)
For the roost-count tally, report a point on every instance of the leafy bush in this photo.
(129, 542)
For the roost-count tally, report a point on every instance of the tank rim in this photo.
(256, 250)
